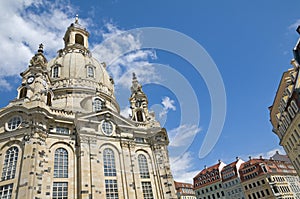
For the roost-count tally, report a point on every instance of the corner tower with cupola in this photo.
(63, 136)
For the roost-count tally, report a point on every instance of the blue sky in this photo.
(250, 42)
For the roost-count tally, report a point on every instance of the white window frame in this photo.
(97, 104)
(13, 123)
(147, 190)
(111, 189)
(88, 72)
(109, 162)
(6, 191)
(62, 130)
(143, 166)
(60, 190)
(107, 127)
(10, 163)
(55, 71)
(61, 163)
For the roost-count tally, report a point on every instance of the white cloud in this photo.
(268, 154)
(295, 25)
(182, 168)
(183, 135)
(168, 104)
(123, 55)
(26, 24)
(5, 85)
(125, 112)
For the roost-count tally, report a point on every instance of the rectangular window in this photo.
(139, 140)
(294, 138)
(55, 72)
(298, 136)
(62, 130)
(291, 141)
(90, 71)
(60, 190)
(147, 190)
(111, 188)
(5, 191)
(258, 195)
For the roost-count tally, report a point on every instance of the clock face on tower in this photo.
(30, 79)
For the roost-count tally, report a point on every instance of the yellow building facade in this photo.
(284, 112)
(63, 137)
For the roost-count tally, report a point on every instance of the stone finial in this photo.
(136, 86)
(39, 58)
(76, 18)
(41, 48)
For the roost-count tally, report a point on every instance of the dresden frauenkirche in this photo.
(63, 136)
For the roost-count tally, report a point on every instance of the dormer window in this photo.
(90, 71)
(79, 39)
(55, 72)
(97, 104)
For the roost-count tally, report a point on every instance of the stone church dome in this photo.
(83, 68)
(75, 73)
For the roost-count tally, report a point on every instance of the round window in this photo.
(107, 127)
(14, 123)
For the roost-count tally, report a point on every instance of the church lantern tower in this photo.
(138, 102)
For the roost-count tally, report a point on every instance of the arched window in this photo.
(55, 71)
(49, 102)
(97, 105)
(109, 162)
(79, 39)
(23, 93)
(61, 163)
(143, 166)
(90, 71)
(139, 116)
(10, 163)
